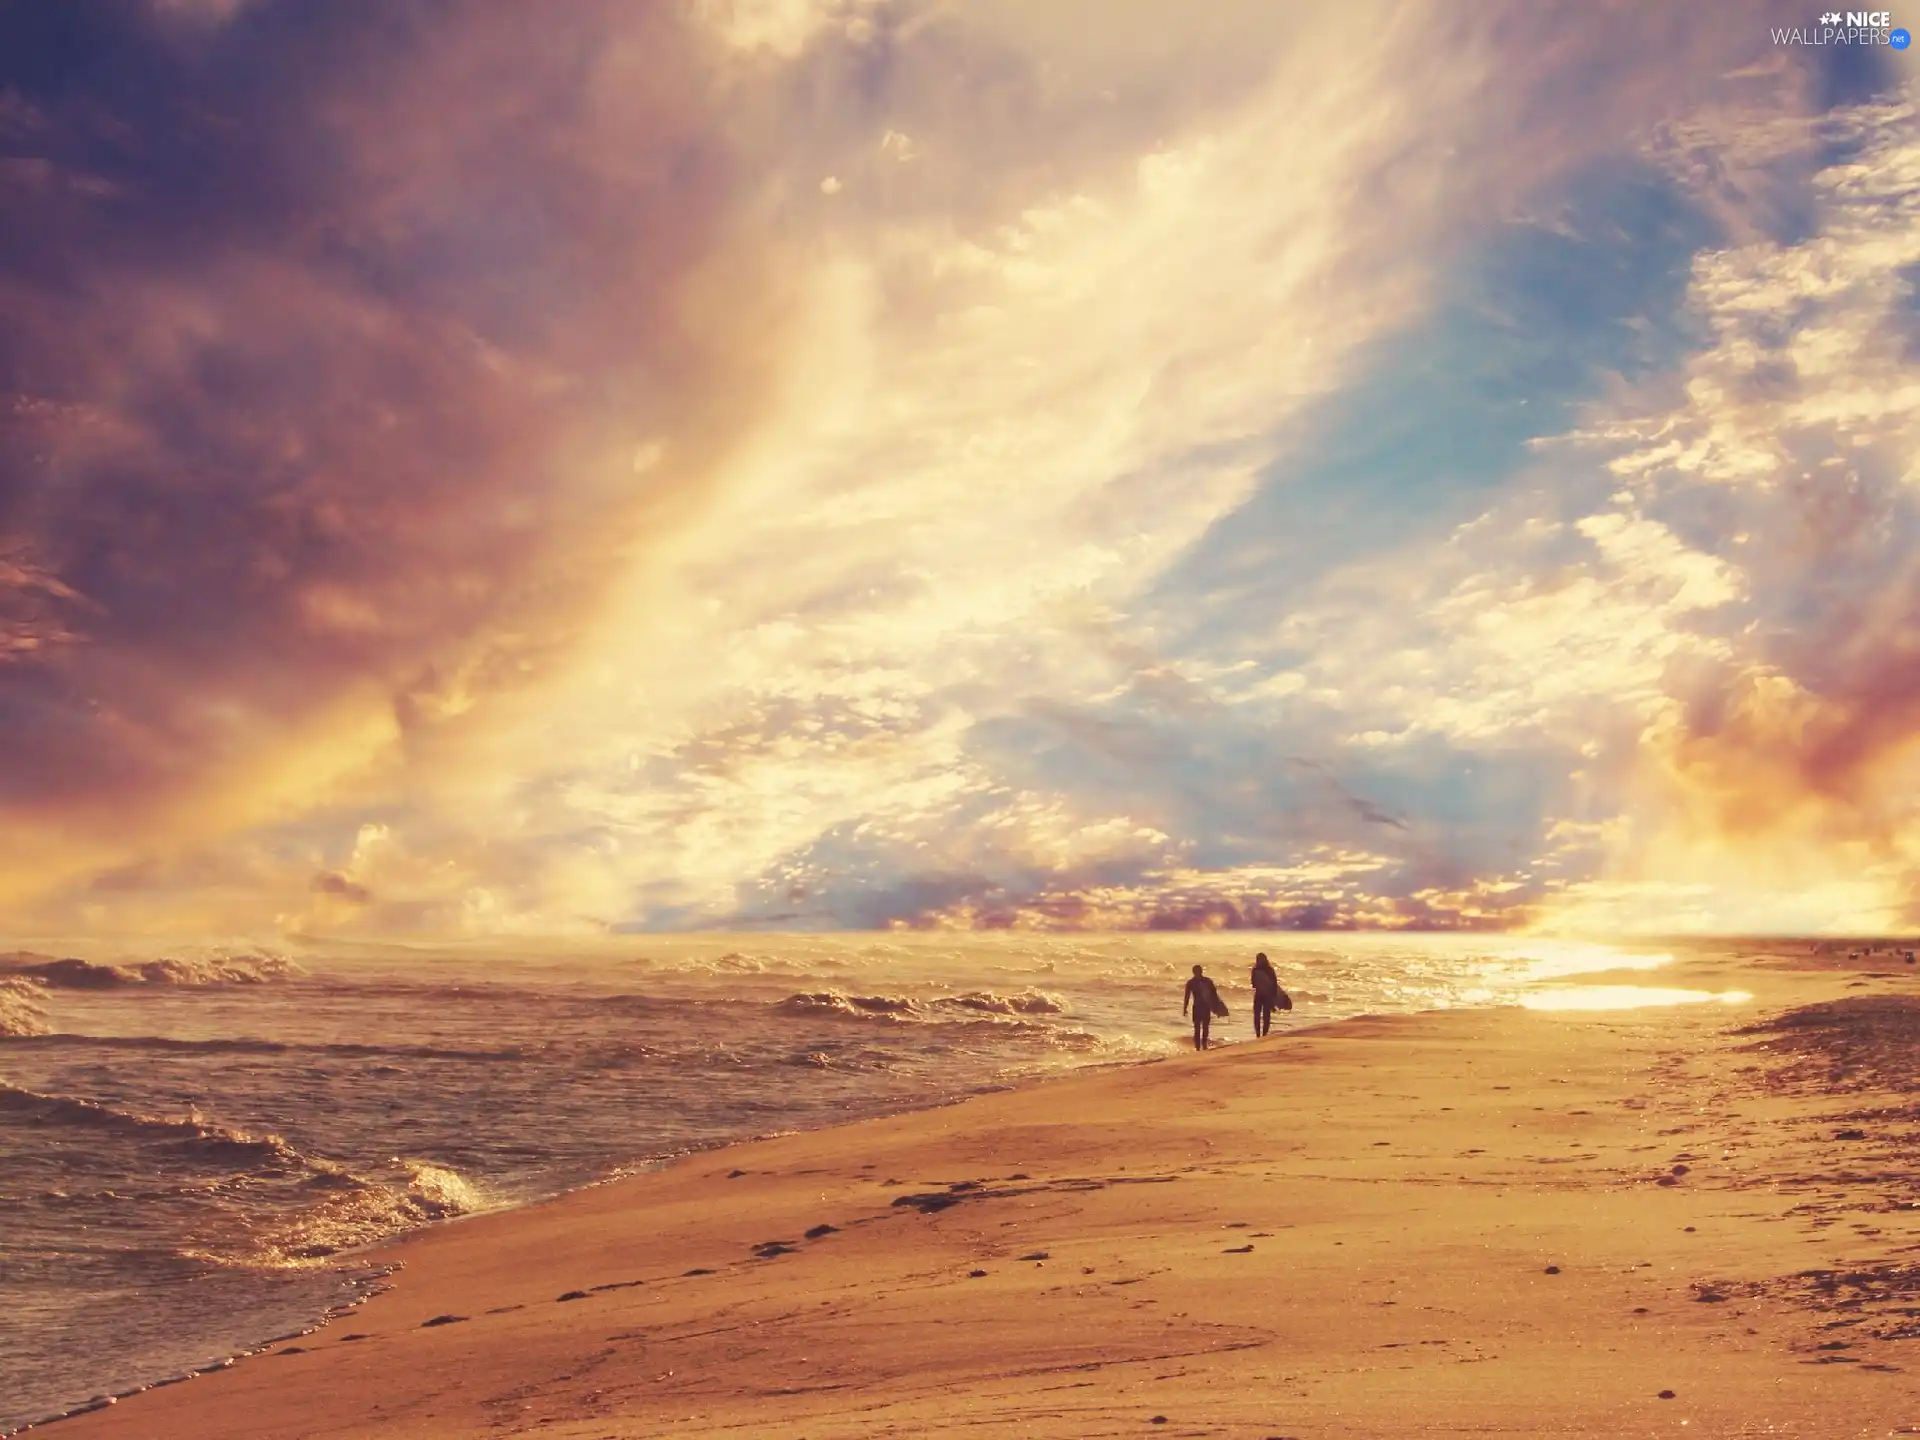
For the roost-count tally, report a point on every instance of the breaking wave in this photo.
(971, 1007)
(68, 973)
(295, 1209)
(187, 1135)
(347, 1211)
(831, 1003)
(1027, 1002)
(22, 1009)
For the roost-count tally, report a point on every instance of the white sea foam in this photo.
(23, 1009)
(831, 1003)
(351, 1211)
(971, 1006)
(1026, 1002)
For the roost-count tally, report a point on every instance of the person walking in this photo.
(1267, 996)
(1204, 999)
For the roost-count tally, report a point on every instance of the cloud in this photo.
(332, 882)
(1282, 471)
(1792, 441)
(315, 397)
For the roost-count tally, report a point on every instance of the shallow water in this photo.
(195, 1150)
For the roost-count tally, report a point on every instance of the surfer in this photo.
(1206, 1003)
(1267, 996)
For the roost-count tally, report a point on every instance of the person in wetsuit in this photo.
(1205, 1001)
(1267, 996)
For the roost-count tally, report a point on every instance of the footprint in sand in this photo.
(817, 1231)
(571, 1295)
(442, 1320)
(1239, 1250)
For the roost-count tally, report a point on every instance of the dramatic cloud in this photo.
(466, 466)
(331, 333)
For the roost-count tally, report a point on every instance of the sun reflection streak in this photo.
(1626, 997)
(1552, 959)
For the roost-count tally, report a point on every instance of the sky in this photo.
(483, 468)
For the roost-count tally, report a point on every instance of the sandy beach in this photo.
(1649, 1221)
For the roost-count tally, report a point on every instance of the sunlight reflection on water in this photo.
(1626, 997)
(1548, 960)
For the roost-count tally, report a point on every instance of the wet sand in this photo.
(1608, 1223)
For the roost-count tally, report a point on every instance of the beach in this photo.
(200, 1150)
(1508, 1221)
(645, 643)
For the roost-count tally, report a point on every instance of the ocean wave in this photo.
(740, 962)
(188, 1134)
(735, 962)
(242, 1045)
(287, 1208)
(68, 973)
(426, 991)
(831, 1003)
(846, 1060)
(1027, 1002)
(603, 1055)
(970, 1007)
(23, 1010)
(651, 1004)
(349, 1211)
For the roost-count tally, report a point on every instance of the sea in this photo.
(202, 1147)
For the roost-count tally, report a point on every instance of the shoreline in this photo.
(368, 1276)
(374, 1275)
(699, 1209)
